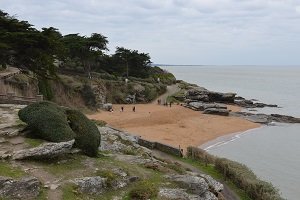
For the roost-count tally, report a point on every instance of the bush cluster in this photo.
(239, 174)
(47, 121)
(53, 123)
(87, 134)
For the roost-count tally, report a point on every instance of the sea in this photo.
(271, 152)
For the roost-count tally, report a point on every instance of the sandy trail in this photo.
(174, 126)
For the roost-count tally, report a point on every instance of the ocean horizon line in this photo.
(241, 65)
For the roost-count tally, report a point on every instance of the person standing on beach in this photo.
(133, 109)
(122, 109)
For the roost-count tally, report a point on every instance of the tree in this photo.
(25, 47)
(85, 49)
(134, 63)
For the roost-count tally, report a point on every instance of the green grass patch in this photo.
(70, 193)
(109, 174)
(42, 195)
(9, 171)
(33, 142)
(64, 167)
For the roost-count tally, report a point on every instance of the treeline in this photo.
(44, 51)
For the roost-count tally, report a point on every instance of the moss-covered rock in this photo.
(87, 134)
(47, 121)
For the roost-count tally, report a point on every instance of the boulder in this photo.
(216, 111)
(196, 185)
(44, 151)
(202, 94)
(202, 106)
(213, 184)
(175, 194)
(91, 185)
(107, 106)
(266, 119)
(26, 188)
(5, 155)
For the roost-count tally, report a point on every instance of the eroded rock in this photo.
(216, 111)
(26, 188)
(91, 185)
(48, 150)
(196, 185)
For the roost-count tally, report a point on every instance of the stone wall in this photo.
(159, 146)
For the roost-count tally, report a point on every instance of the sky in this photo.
(204, 32)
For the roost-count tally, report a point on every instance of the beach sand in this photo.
(173, 126)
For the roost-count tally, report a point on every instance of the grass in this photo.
(105, 164)
(64, 167)
(109, 174)
(42, 195)
(10, 171)
(33, 142)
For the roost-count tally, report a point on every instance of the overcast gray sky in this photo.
(221, 32)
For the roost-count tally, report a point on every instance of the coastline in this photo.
(225, 139)
(175, 126)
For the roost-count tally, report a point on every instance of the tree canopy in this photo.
(44, 51)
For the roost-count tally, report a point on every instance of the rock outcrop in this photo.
(91, 185)
(266, 119)
(216, 111)
(202, 94)
(194, 184)
(44, 151)
(26, 188)
(201, 106)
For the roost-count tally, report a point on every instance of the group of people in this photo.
(165, 103)
(122, 109)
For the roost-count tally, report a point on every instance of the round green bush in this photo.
(87, 137)
(53, 123)
(48, 121)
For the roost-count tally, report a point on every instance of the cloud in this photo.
(179, 31)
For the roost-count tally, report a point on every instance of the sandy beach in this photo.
(174, 126)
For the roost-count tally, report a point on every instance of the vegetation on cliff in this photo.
(50, 122)
(48, 53)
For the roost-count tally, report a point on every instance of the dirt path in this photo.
(227, 192)
(171, 89)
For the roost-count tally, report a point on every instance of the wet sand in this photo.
(173, 126)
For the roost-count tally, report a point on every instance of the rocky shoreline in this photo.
(210, 102)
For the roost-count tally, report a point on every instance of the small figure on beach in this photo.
(111, 110)
(158, 101)
(122, 109)
(133, 109)
(170, 104)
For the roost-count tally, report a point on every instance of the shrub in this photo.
(144, 190)
(48, 121)
(45, 88)
(88, 96)
(239, 174)
(87, 134)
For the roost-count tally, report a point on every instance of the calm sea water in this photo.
(272, 152)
